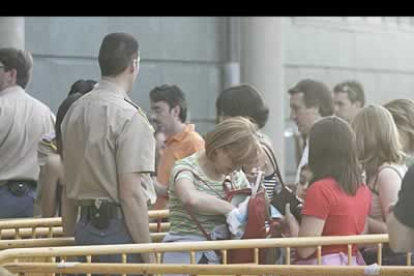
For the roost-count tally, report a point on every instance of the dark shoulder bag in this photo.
(283, 194)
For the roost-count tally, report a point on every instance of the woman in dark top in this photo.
(244, 100)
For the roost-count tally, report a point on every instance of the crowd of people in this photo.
(101, 163)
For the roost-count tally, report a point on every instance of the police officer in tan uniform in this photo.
(108, 154)
(23, 122)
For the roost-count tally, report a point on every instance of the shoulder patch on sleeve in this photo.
(142, 113)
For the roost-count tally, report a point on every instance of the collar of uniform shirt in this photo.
(11, 90)
(111, 86)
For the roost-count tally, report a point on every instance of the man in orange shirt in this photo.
(169, 113)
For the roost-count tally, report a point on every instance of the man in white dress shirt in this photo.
(310, 100)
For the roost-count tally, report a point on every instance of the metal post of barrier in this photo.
(192, 257)
(319, 254)
(288, 255)
(349, 254)
(124, 260)
(379, 260)
(224, 256)
(256, 255)
(89, 260)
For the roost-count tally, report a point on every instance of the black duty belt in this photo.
(100, 217)
(20, 187)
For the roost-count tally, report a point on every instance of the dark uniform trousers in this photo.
(17, 201)
(86, 233)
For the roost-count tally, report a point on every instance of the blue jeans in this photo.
(12, 206)
(116, 233)
(201, 257)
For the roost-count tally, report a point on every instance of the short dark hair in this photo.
(173, 96)
(62, 110)
(316, 94)
(354, 90)
(333, 153)
(242, 100)
(82, 86)
(116, 53)
(19, 60)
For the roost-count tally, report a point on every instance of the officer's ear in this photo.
(131, 69)
(11, 76)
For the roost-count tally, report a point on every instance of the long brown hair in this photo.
(402, 111)
(377, 139)
(332, 153)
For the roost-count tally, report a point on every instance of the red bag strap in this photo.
(197, 222)
(199, 178)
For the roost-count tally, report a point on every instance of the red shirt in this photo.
(343, 214)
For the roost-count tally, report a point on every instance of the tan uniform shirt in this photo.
(105, 135)
(23, 122)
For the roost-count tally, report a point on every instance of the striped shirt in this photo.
(181, 222)
(270, 182)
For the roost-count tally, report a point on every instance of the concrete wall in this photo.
(187, 51)
(194, 52)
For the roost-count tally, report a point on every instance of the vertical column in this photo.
(232, 66)
(261, 65)
(12, 32)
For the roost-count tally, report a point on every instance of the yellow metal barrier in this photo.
(72, 268)
(43, 259)
(192, 247)
(52, 227)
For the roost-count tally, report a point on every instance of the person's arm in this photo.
(69, 214)
(365, 231)
(310, 227)
(389, 183)
(316, 209)
(198, 201)
(135, 156)
(401, 237)
(160, 189)
(134, 207)
(401, 221)
(48, 179)
(376, 226)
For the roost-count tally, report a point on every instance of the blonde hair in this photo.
(402, 111)
(377, 139)
(236, 135)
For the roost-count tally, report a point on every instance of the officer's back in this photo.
(23, 122)
(108, 148)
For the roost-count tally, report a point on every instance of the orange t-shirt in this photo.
(177, 147)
